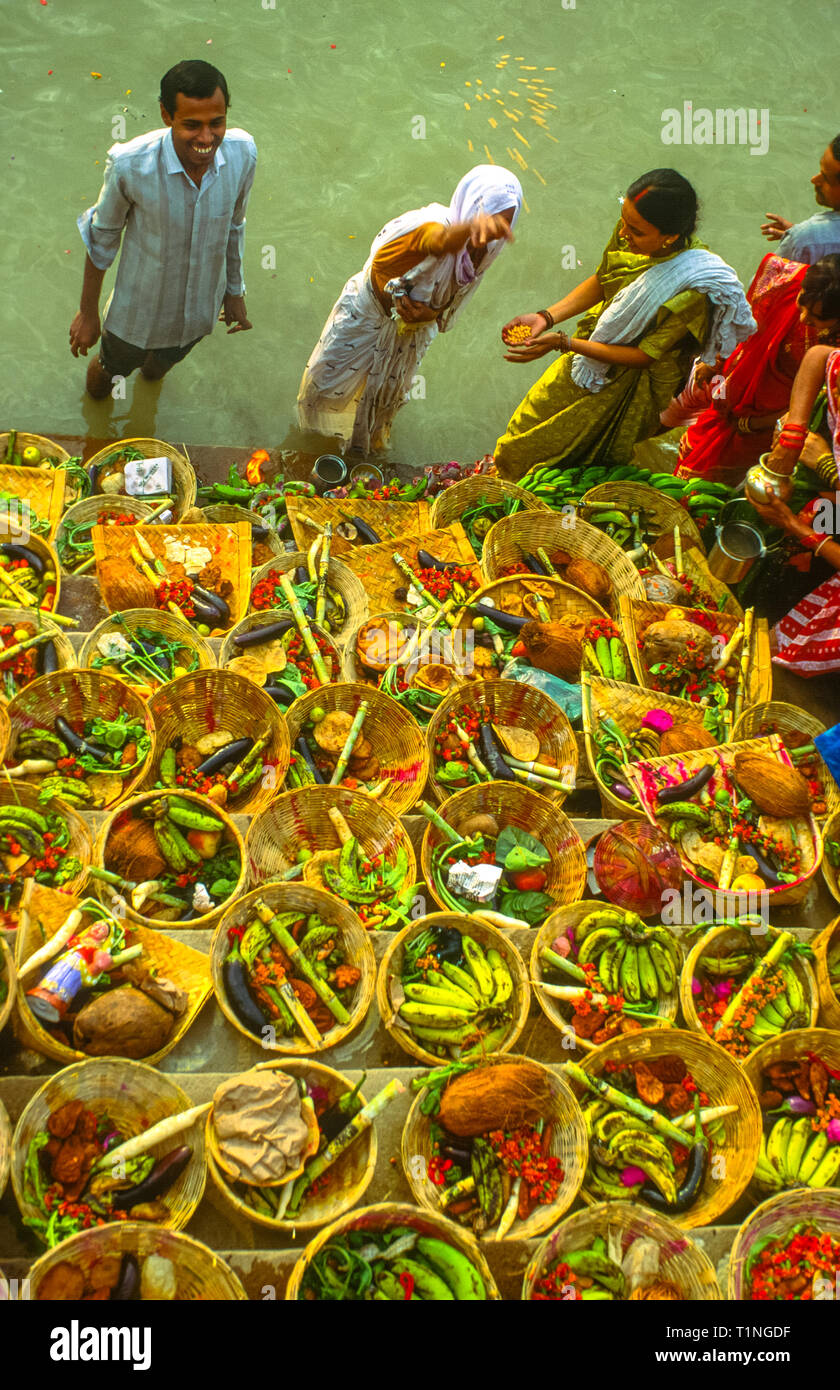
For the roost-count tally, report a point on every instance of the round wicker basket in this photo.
(798, 1045)
(488, 938)
(569, 1143)
(47, 555)
(731, 939)
(79, 696)
(828, 996)
(24, 440)
(80, 843)
(775, 1218)
(300, 820)
(664, 512)
(683, 1263)
(294, 897)
(228, 512)
(558, 1013)
(339, 577)
(512, 804)
(507, 542)
(134, 1096)
(8, 978)
(184, 486)
(5, 1149)
(397, 740)
(724, 1083)
(786, 719)
(350, 1175)
(127, 813)
(127, 623)
(229, 650)
(519, 706)
(90, 509)
(451, 504)
(65, 655)
(201, 1275)
(831, 835)
(207, 702)
(381, 1217)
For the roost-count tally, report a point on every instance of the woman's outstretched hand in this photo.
(524, 347)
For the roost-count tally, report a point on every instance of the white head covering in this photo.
(487, 189)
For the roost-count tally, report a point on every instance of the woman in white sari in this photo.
(422, 268)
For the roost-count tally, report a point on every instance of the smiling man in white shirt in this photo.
(177, 198)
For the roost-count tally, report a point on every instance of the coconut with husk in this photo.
(688, 737)
(123, 586)
(590, 577)
(556, 647)
(670, 637)
(773, 787)
(492, 1098)
(662, 588)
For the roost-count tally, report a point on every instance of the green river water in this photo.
(335, 95)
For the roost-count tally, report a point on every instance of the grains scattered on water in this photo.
(522, 138)
(492, 121)
(490, 159)
(539, 175)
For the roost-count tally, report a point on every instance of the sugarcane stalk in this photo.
(472, 756)
(312, 557)
(323, 567)
(305, 630)
(59, 618)
(422, 629)
(759, 970)
(249, 758)
(144, 547)
(543, 558)
(599, 1087)
(407, 572)
(7, 653)
(439, 823)
(532, 780)
(299, 1014)
(678, 555)
(314, 1167)
(295, 954)
(741, 690)
(558, 962)
(542, 609)
(349, 743)
(709, 1116)
(294, 872)
(130, 953)
(546, 770)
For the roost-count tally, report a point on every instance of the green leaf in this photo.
(520, 858)
(511, 837)
(531, 907)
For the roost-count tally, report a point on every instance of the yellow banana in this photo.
(502, 978)
(817, 1150)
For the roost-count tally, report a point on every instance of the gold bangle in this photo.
(823, 542)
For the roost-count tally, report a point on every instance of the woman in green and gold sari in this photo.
(658, 299)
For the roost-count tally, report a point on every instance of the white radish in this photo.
(707, 1116)
(164, 1129)
(52, 947)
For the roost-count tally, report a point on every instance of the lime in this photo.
(31, 454)
(21, 634)
(203, 630)
(178, 671)
(478, 624)
(318, 714)
(302, 856)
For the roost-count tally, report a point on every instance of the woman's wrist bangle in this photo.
(546, 314)
(565, 343)
(811, 541)
(823, 542)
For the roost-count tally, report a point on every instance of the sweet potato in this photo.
(650, 1089)
(63, 1121)
(63, 1282)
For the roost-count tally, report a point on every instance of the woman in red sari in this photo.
(795, 307)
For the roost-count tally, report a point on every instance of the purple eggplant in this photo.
(166, 1171)
(127, 1287)
(683, 791)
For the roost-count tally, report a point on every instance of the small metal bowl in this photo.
(328, 471)
(367, 473)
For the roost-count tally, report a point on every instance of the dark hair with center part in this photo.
(835, 147)
(821, 287)
(666, 200)
(195, 79)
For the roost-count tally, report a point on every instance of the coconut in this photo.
(666, 639)
(685, 738)
(556, 647)
(662, 588)
(772, 786)
(589, 576)
(488, 1098)
(123, 586)
(133, 851)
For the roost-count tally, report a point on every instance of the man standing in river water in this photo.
(180, 195)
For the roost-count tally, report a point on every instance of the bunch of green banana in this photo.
(26, 827)
(785, 1011)
(792, 1155)
(640, 962)
(619, 1141)
(173, 844)
(486, 1173)
(464, 1002)
(347, 881)
(594, 1263)
(560, 486)
(440, 1273)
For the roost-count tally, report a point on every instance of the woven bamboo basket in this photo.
(390, 520)
(207, 702)
(156, 620)
(229, 651)
(831, 834)
(512, 804)
(627, 705)
(557, 1012)
(8, 977)
(788, 719)
(397, 740)
(90, 509)
(188, 969)
(79, 696)
(354, 668)
(731, 939)
(569, 1143)
(132, 1095)
(44, 550)
(488, 938)
(226, 512)
(696, 568)
(65, 655)
(683, 1263)
(349, 1177)
(451, 504)
(375, 566)
(507, 542)
(795, 1046)
(41, 488)
(80, 844)
(294, 897)
(683, 765)
(381, 1218)
(49, 450)
(665, 512)
(184, 485)
(127, 812)
(516, 705)
(230, 547)
(201, 1275)
(5, 1149)
(339, 577)
(299, 820)
(829, 1000)
(724, 1083)
(775, 1218)
(636, 614)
